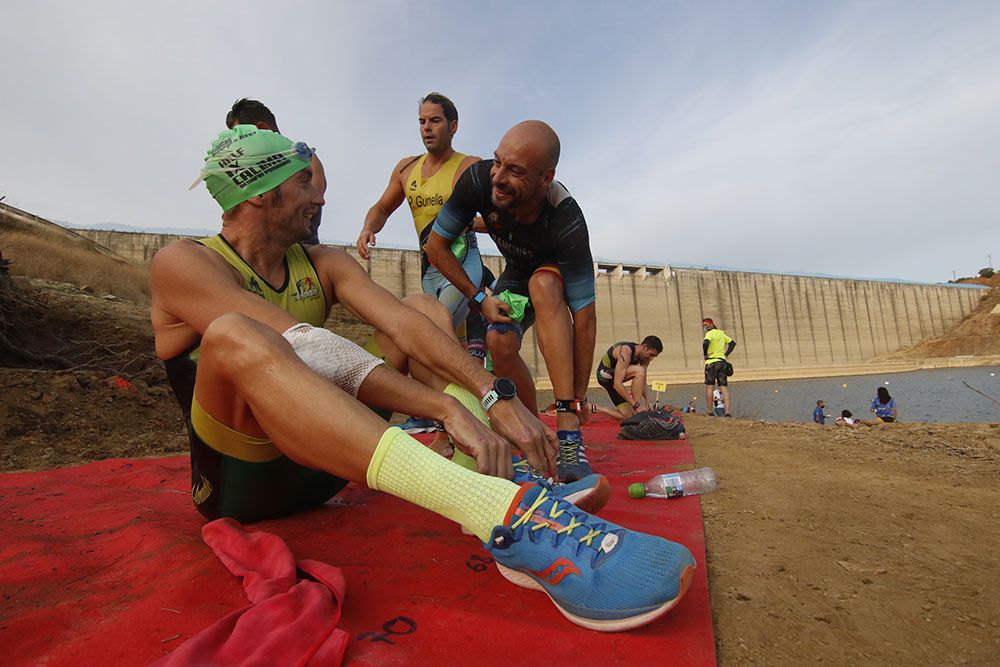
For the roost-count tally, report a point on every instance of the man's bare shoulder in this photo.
(330, 258)
(466, 162)
(176, 251)
(184, 257)
(402, 167)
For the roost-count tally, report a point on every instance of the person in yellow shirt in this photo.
(716, 347)
(425, 182)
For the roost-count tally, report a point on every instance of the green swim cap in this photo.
(246, 161)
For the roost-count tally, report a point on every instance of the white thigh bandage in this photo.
(337, 359)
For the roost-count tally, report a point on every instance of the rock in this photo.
(66, 381)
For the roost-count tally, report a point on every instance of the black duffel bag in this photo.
(651, 425)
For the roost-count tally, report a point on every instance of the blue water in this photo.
(937, 395)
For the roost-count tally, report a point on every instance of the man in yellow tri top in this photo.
(425, 182)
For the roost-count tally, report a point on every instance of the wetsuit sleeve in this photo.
(576, 263)
(457, 213)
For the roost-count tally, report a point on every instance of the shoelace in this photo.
(568, 450)
(525, 467)
(554, 513)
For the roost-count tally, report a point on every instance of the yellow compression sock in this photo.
(472, 404)
(406, 469)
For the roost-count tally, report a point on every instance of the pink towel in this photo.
(288, 622)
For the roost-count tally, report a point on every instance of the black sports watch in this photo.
(503, 390)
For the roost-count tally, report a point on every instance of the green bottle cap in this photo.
(637, 490)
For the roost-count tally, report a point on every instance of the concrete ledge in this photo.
(873, 368)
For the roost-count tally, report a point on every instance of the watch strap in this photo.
(490, 399)
(503, 389)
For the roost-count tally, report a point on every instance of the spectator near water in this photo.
(884, 405)
(716, 347)
(819, 416)
(846, 418)
(718, 404)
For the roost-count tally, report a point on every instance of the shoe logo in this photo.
(559, 570)
(609, 542)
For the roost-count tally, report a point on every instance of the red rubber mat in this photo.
(104, 564)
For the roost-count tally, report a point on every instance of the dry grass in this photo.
(45, 255)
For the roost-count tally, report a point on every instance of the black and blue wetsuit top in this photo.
(559, 236)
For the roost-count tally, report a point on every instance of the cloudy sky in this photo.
(844, 138)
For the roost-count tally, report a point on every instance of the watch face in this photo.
(505, 388)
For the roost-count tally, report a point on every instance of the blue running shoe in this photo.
(599, 575)
(572, 463)
(589, 494)
(418, 425)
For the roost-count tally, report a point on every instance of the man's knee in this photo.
(234, 341)
(431, 307)
(503, 345)
(546, 290)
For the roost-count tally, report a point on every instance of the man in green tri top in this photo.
(425, 182)
(252, 112)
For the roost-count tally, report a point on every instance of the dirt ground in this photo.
(872, 545)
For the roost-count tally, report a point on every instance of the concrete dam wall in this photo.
(778, 321)
(138, 247)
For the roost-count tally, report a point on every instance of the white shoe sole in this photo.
(615, 625)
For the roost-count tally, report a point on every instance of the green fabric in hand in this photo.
(518, 304)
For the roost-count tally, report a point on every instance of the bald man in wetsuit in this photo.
(542, 234)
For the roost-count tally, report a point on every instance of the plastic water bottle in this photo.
(676, 484)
